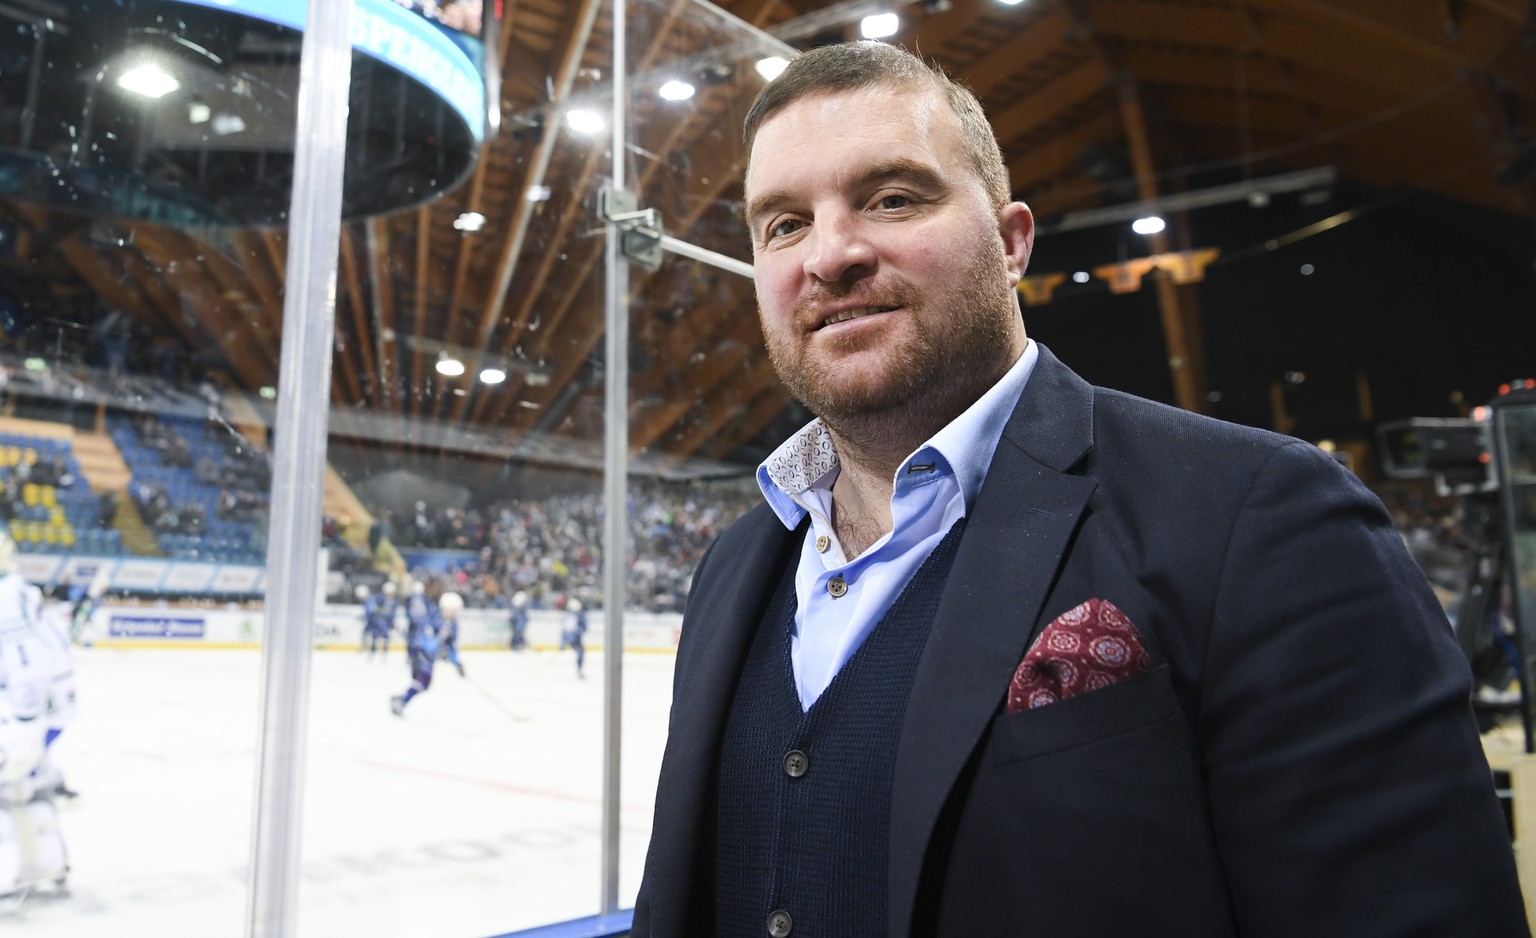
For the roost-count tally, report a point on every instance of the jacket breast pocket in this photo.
(1088, 718)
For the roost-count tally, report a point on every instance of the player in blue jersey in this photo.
(426, 643)
(449, 605)
(379, 614)
(575, 633)
(519, 620)
(420, 611)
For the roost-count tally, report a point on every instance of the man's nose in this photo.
(840, 248)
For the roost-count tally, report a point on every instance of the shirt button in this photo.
(837, 586)
(780, 924)
(796, 763)
(822, 543)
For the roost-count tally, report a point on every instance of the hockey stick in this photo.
(516, 717)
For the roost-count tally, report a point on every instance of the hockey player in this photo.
(449, 605)
(425, 646)
(419, 612)
(575, 634)
(53, 632)
(85, 607)
(379, 614)
(519, 620)
(31, 846)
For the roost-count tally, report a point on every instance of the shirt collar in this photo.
(808, 459)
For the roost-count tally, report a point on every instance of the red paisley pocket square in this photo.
(1085, 648)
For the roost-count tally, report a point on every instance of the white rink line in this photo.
(475, 813)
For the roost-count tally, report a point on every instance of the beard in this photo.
(953, 347)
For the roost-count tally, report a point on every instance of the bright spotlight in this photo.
(585, 122)
(771, 67)
(493, 376)
(1150, 225)
(149, 80)
(469, 221)
(1082, 276)
(880, 25)
(451, 367)
(675, 90)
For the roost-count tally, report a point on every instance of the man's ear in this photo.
(1016, 224)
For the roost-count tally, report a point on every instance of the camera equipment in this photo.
(1489, 460)
(1456, 453)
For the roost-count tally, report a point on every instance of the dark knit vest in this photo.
(802, 810)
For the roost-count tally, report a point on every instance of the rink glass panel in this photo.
(141, 297)
(693, 333)
(1515, 426)
(487, 791)
(139, 307)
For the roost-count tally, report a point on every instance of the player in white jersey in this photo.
(31, 847)
(56, 629)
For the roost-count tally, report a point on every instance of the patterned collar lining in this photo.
(802, 460)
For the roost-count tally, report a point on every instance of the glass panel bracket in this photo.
(640, 227)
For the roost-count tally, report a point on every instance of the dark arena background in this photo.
(537, 336)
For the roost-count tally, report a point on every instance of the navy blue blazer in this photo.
(1301, 760)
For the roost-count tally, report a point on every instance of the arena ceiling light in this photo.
(451, 367)
(880, 25)
(469, 221)
(771, 67)
(585, 122)
(675, 90)
(1150, 225)
(492, 376)
(149, 80)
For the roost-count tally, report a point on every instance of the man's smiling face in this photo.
(884, 275)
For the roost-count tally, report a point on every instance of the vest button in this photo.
(796, 764)
(822, 543)
(780, 924)
(837, 586)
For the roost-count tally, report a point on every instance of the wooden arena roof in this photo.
(1096, 103)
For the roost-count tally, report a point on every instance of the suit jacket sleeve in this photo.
(1349, 794)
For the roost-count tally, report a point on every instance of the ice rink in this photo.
(475, 813)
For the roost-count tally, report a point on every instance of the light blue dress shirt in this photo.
(840, 602)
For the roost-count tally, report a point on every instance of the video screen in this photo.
(460, 21)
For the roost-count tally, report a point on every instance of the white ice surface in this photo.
(476, 813)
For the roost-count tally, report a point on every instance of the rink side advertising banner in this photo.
(145, 574)
(341, 627)
(139, 625)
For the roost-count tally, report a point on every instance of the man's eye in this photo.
(782, 228)
(893, 201)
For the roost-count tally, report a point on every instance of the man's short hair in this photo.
(855, 65)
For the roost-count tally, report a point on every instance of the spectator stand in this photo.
(199, 488)
(46, 502)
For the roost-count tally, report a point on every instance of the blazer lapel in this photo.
(718, 627)
(1015, 538)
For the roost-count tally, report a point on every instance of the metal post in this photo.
(298, 460)
(615, 482)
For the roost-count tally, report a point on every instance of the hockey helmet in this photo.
(361, 592)
(451, 604)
